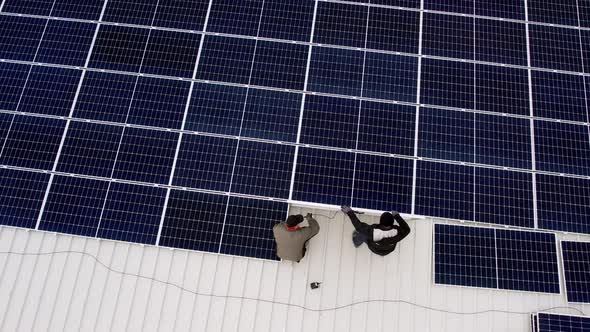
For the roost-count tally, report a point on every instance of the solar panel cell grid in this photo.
(193, 221)
(501, 89)
(21, 196)
(563, 12)
(105, 97)
(20, 37)
(127, 11)
(555, 48)
(158, 103)
(248, 227)
(386, 128)
(119, 48)
(336, 71)
(446, 135)
(181, 14)
(65, 43)
(240, 18)
(527, 261)
(390, 77)
(584, 13)
(562, 147)
(171, 53)
(50, 91)
(576, 268)
(501, 42)
(31, 7)
(132, 213)
(205, 162)
(287, 20)
(511, 9)
(447, 83)
(32, 142)
(559, 96)
(226, 59)
(12, 80)
(465, 256)
(461, 6)
(84, 10)
(90, 149)
(563, 203)
(562, 323)
(74, 206)
(393, 30)
(503, 141)
(279, 65)
(341, 24)
(448, 36)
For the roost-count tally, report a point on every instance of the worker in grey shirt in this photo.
(291, 239)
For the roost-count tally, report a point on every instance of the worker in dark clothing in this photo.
(380, 238)
(291, 239)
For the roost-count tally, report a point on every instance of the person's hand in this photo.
(346, 209)
(308, 216)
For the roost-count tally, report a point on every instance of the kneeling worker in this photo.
(291, 239)
(380, 238)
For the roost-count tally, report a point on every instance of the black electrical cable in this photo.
(85, 254)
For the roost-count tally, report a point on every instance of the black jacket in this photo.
(384, 246)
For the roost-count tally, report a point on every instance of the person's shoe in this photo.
(357, 239)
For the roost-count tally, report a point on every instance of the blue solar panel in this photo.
(226, 59)
(444, 190)
(504, 197)
(271, 115)
(448, 36)
(383, 183)
(21, 196)
(158, 103)
(563, 203)
(461, 6)
(37, 98)
(12, 80)
(239, 18)
(330, 121)
(380, 69)
(119, 48)
(576, 263)
(555, 48)
(145, 155)
(74, 206)
(65, 43)
(499, 41)
(386, 128)
(171, 53)
(205, 162)
(248, 227)
(90, 149)
(84, 10)
(216, 109)
(501, 90)
(193, 221)
(584, 13)
(585, 40)
(512, 9)
(279, 65)
(19, 37)
(562, 147)
(465, 256)
(132, 213)
(337, 71)
(32, 7)
(32, 142)
(446, 134)
(341, 24)
(105, 97)
(559, 96)
(286, 20)
(502, 141)
(393, 30)
(127, 11)
(447, 83)
(564, 12)
(181, 14)
(263, 169)
(527, 261)
(562, 323)
(323, 176)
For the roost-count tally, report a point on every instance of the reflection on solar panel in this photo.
(576, 267)
(562, 323)
(495, 258)
(117, 119)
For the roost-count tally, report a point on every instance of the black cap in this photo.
(386, 219)
(294, 220)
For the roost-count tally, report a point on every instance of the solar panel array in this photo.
(495, 258)
(576, 268)
(561, 323)
(192, 124)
